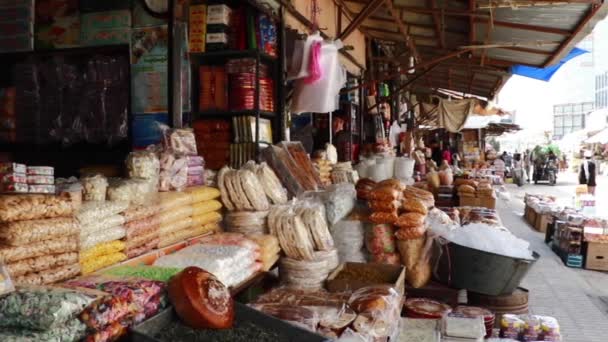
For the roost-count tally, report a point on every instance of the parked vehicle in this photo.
(545, 171)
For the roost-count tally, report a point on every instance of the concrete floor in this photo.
(577, 298)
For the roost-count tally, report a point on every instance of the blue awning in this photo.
(545, 74)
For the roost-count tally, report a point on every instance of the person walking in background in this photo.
(587, 173)
(527, 164)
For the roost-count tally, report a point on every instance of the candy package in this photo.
(94, 211)
(24, 232)
(143, 164)
(41, 263)
(93, 264)
(203, 193)
(110, 234)
(95, 187)
(102, 249)
(36, 249)
(50, 276)
(173, 172)
(34, 207)
(49, 307)
(180, 141)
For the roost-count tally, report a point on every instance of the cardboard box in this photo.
(391, 275)
(532, 220)
(542, 220)
(597, 256)
(469, 202)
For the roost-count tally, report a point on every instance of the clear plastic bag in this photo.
(41, 263)
(102, 249)
(60, 306)
(378, 308)
(36, 249)
(201, 208)
(170, 200)
(143, 164)
(50, 276)
(181, 235)
(91, 265)
(70, 188)
(110, 234)
(94, 187)
(34, 207)
(294, 236)
(72, 330)
(137, 191)
(96, 226)
(24, 232)
(142, 226)
(142, 249)
(173, 172)
(173, 226)
(95, 211)
(135, 213)
(140, 240)
(348, 237)
(203, 193)
(208, 218)
(285, 169)
(313, 216)
(300, 316)
(176, 213)
(380, 238)
(272, 185)
(180, 141)
(253, 190)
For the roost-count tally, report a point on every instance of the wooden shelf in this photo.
(227, 114)
(224, 54)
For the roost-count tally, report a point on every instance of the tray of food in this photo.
(249, 325)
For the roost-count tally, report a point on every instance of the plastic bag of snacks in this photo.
(511, 326)
(142, 227)
(72, 330)
(110, 234)
(34, 207)
(148, 272)
(95, 187)
(143, 164)
(177, 213)
(95, 211)
(140, 240)
(142, 249)
(36, 249)
(95, 226)
(24, 232)
(106, 310)
(203, 193)
(173, 172)
(173, 226)
(380, 238)
(170, 200)
(50, 276)
(91, 265)
(41, 263)
(70, 188)
(134, 213)
(103, 249)
(211, 217)
(180, 141)
(201, 208)
(21, 308)
(136, 191)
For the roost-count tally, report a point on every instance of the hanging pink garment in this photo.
(314, 65)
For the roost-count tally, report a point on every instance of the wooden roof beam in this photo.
(368, 10)
(438, 26)
(424, 10)
(404, 31)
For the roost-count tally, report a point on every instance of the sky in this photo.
(533, 100)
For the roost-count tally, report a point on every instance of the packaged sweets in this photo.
(35, 249)
(12, 178)
(13, 188)
(49, 276)
(40, 170)
(41, 189)
(23, 232)
(39, 179)
(95, 188)
(7, 167)
(102, 249)
(41, 263)
(72, 330)
(33, 207)
(143, 164)
(59, 305)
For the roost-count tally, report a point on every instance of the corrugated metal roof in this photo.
(535, 36)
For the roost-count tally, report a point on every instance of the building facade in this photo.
(570, 117)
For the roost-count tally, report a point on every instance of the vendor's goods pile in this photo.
(479, 189)
(344, 173)
(486, 315)
(43, 314)
(323, 167)
(380, 243)
(530, 328)
(339, 200)
(349, 236)
(38, 238)
(460, 327)
(230, 257)
(206, 211)
(18, 178)
(292, 165)
(101, 229)
(269, 250)
(127, 301)
(302, 231)
(366, 314)
(141, 229)
(177, 220)
(178, 152)
(247, 194)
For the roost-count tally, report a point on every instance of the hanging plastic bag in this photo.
(300, 62)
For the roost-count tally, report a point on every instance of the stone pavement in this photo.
(573, 296)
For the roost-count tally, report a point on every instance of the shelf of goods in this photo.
(236, 86)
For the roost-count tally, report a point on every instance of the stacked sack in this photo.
(413, 243)
(247, 194)
(179, 150)
(38, 238)
(269, 250)
(385, 201)
(142, 227)
(101, 229)
(230, 257)
(206, 210)
(175, 217)
(303, 234)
